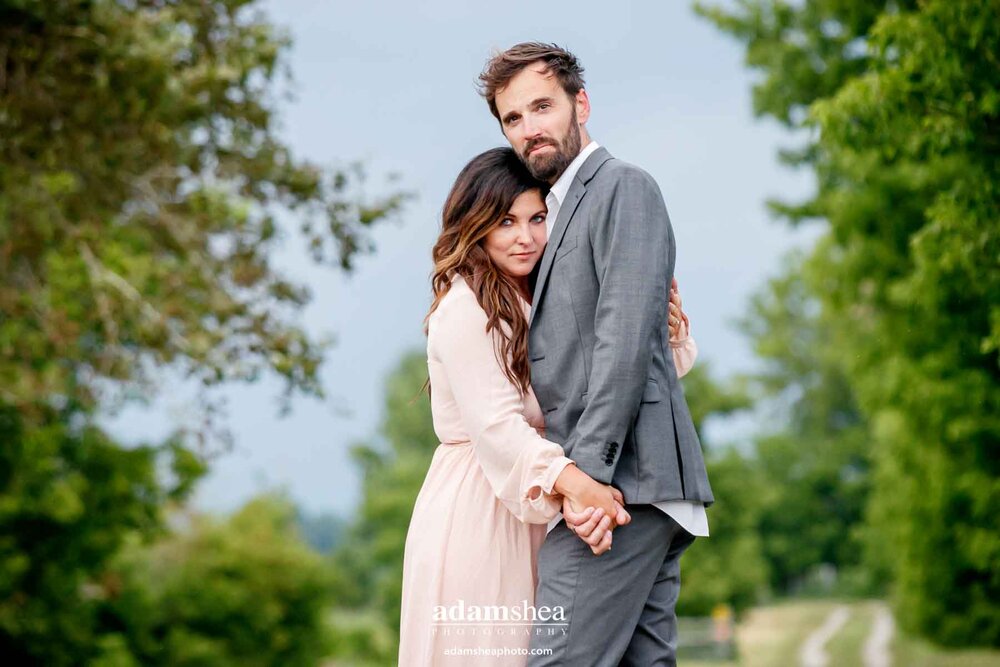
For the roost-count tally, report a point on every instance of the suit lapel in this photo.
(566, 212)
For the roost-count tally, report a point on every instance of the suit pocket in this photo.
(566, 248)
(651, 394)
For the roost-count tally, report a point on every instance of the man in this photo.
(601, 370)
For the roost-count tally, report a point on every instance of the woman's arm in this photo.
(521, 466)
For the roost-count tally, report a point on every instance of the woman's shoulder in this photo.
(458, 307)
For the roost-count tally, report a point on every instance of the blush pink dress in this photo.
(481, 514)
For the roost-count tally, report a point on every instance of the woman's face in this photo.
(516, 243)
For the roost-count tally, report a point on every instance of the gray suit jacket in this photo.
(601, 366)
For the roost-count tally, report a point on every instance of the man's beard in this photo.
(549, 167)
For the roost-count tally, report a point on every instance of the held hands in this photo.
(581, 492)
(593, 526)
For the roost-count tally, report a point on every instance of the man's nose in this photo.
(529, 128)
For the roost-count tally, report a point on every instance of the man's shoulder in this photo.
(616, 171)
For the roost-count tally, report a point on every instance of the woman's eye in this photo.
(506, 222)
(538, 218)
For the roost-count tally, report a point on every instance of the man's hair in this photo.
(504, 66)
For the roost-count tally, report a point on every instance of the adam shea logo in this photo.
(486, 617)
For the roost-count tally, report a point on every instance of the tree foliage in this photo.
(70, 497)
(144, 191)
(902, 100)
(708, 574)
(243, 591)
(142, 185)
(814, 451)
(728, 567)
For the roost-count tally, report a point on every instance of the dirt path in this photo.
(813, 653)
(876, 652)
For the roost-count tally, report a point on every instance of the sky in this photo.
(393, 84)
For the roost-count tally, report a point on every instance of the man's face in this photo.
(541, 121)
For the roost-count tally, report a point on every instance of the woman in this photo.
(494, 482)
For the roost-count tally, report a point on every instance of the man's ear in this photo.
(582, 106)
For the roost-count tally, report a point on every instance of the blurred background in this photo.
(216, 219)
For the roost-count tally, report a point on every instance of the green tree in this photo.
(793, 497)
(729, 566)
(141, 184)
(902, 100)
(708, 397)
(243, 591)
(69, 498)
(814, 454)
(143, 193)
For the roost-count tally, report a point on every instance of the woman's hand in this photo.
(593, 526)
(675, 313)
(581, 491)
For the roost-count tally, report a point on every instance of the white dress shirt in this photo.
(689, 514)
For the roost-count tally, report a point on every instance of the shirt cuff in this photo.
(547, 502)
(551, 474)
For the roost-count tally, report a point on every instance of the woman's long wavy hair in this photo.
(482, 195)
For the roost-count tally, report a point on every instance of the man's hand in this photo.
(622, 517)
(592, 526)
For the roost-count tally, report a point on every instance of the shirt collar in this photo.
(560, 188)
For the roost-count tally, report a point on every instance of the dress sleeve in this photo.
(520, 465)
(684, 349)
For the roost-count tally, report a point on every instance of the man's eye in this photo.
(544, 105)
(512, 120)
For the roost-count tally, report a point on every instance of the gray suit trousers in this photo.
(619, 606)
